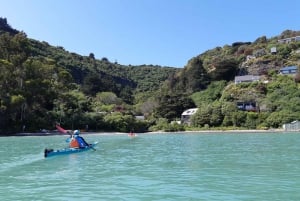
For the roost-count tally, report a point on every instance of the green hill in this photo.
(42, 84)
(20, 57)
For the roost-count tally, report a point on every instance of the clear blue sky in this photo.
(158, 32)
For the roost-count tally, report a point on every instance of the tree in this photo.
(147, 107)
(108, 98)
(216, 117)
(92, 56)
(202, 117)
(229, 111)
(92, 84)
(72, 107)
(211, 94)
(192, 78)
(224, 69)
(171, 106)
(119, 122)
(126, 95)
(252, 120)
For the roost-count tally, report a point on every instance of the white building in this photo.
(293, 126)
(186, 115)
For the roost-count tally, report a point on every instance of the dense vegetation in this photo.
(42, 85)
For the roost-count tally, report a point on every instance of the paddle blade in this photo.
(60, 129)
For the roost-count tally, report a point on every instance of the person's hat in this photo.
(76, 132)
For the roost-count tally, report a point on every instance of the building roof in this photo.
(190, 111)
(288, 68)
(246, 78)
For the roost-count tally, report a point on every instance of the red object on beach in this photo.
(131, 134)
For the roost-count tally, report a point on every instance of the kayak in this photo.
(52, 152)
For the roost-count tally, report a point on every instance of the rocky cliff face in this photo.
(273, 54)
(260, 66)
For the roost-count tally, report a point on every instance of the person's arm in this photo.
(69, 139)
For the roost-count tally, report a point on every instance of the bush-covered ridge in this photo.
(42, 85)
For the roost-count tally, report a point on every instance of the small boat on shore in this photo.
(52, 152)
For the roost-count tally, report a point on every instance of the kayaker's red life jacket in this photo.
(78, 142)
(74, 143)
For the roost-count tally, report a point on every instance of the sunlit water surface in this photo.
(198, 166)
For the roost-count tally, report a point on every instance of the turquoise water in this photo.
(227, 166)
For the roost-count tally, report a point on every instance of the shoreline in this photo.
(153, 132)
(24, 134)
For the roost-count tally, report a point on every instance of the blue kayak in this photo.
(52, 152)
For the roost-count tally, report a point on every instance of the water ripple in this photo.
(155, 167)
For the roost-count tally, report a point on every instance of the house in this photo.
(186, 115)
(273, 50)
(247, 106)
(289, 70)
(246, 78)
(288, 40)
(293, 126)
(140, 117)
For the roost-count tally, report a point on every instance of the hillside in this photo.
(42, 84)
(81, 67)
(72, 71)
(241, 58)
(259, 56)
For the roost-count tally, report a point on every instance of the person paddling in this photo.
(76, 141)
